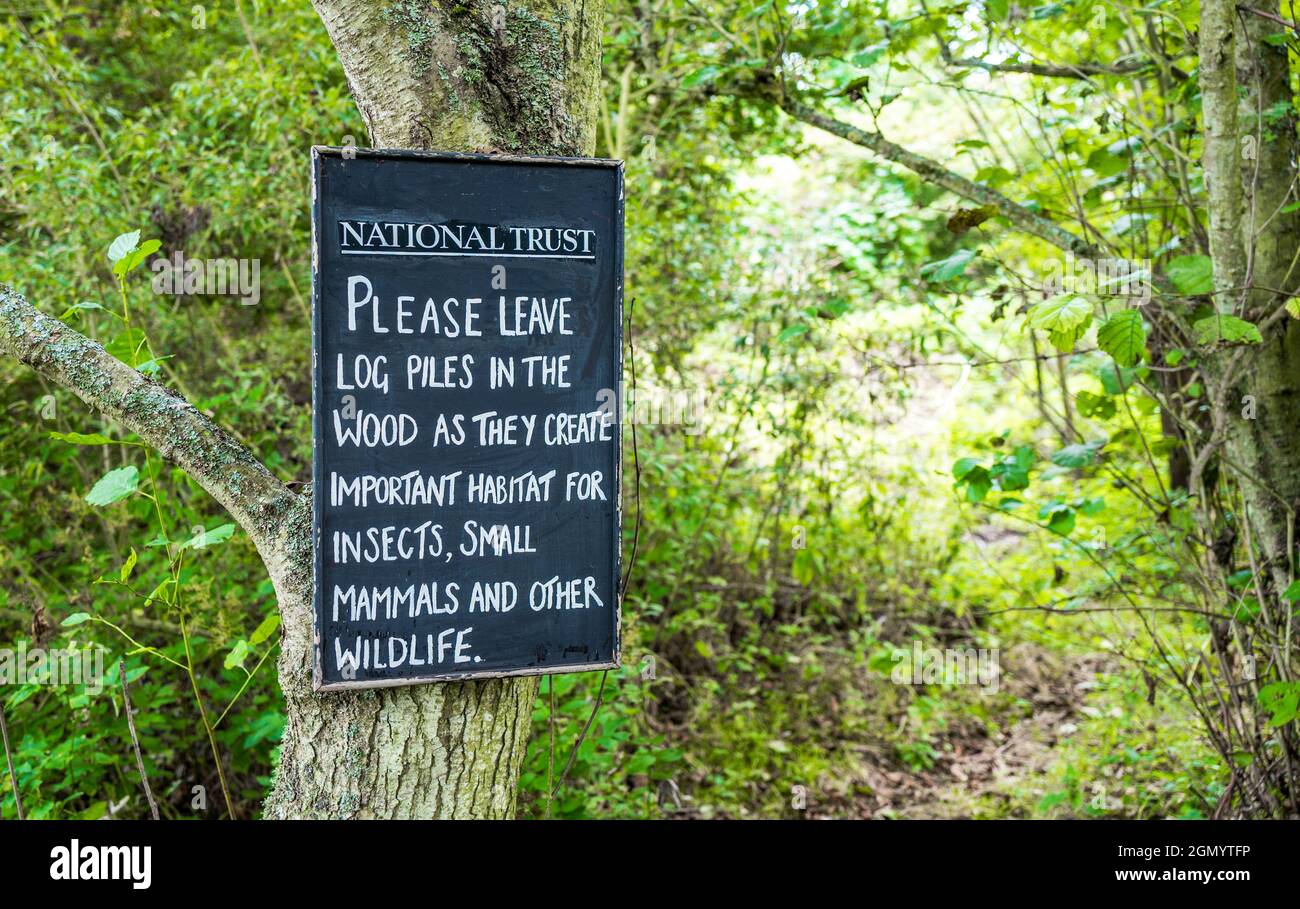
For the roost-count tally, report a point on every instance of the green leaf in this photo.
(1065, 317)
(1012, 471)
(237, 655)
(1292, 593)
(978, 484)
(114, 486)
(993, 176)
(702, 76)
(1059, 516)
(1191, 275)
(131, 261)
(77, 618)
(1227, 329)
(125, 574)
(205, 538)
(1077, 455)
(1115, 380)
(871, 55)
(1282, 700)
(77, 307)
(964, 466)
(1094, 406)
(791, 332)
(264, 630)
(78, 438)
(95, 812)
(122, 245)
(1106, 163)
(1092, 507)
(949, 268)
(1124, 337)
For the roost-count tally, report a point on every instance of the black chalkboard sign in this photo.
(467, 316)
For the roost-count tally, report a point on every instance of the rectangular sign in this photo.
(467, 367)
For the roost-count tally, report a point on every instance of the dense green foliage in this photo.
(863, 430)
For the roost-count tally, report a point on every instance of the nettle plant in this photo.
(1146, 510)
(173, 549)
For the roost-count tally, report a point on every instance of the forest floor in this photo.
(976, 774)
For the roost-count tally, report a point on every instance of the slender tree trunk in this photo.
(1250, 158)
(521, 77)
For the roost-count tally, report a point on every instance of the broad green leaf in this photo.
(1094, 406)
(871, 55)
(1225, 328)
(95, 812)
(237, 655)
(1012, 471)
(1191, 275)
(264, 630)
(114, 486)
(949, 268)
(1060, 517)
(1282, 700)
(1092, 506)
(978, 484)
(790, 332)
(77, 618)
(1077, 455)
(122, 245)
(1106, 163)
(1116, 380)
(993, 176)
(964, 466)
(701, 76)
(1065, 317)
(1124, 337)
(132, 260)
(211, 537)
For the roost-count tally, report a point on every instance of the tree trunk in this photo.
(456, 76)
(452, 76)
(1250, 166)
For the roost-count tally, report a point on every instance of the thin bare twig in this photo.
(135, 740)
(13, 777)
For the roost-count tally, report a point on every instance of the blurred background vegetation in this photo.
(842, 341)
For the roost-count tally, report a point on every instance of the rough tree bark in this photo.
(1249, 157)
(457, 76)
